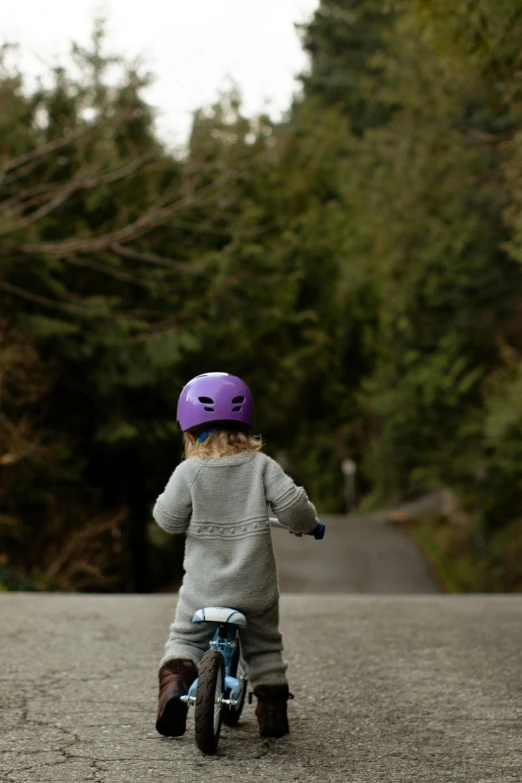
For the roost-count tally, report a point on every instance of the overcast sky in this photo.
(194, 47)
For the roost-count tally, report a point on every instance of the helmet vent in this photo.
(237, 408)
(236, 400)
(206, 408)
(207, 400)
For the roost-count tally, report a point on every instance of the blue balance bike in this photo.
(218, 694)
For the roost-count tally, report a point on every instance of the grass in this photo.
(450, 547)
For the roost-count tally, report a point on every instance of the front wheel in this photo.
(208, 714)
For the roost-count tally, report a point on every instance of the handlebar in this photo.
(318, 532)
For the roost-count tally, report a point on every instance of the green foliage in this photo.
(358, 265)
(451, 549)
(451, 552)
(431, 198)
(341, 41)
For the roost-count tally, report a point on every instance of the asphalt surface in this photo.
(396, 688)
(401, 685)
(358, 555)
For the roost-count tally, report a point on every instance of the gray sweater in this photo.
(221, 502)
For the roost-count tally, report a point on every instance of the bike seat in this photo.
(220, 614)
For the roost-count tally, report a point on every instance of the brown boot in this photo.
(271, 710)
(175, 678)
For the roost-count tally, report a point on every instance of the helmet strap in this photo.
(204, 435)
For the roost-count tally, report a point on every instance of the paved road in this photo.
(398, 689)
(358, 555)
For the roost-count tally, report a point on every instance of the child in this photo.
(220, 495)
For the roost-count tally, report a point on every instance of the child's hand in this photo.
(318, 532)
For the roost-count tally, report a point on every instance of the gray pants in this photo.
(261, 644)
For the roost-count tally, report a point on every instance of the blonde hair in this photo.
(222, 443)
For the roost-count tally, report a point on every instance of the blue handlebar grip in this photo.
(318, 532)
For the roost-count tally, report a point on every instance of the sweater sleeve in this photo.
(289, 502)
(173, 508)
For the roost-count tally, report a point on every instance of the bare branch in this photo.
(23, 171)
(40, 193)
(497, 18)
(43, 149)
(120, 173)
(153, 217)
(22, 443)
(148, 220)
(150, 258)
(86, 312)
(44, 210)
(65, 561)
(43, 300)
(475, 134)
(117, 274)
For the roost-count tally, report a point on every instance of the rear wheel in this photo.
(209, 710)
(231, 715)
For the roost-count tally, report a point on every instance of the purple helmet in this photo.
(215, 397)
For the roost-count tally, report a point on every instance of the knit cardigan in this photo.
(222, 504)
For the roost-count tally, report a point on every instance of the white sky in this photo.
(194, 47)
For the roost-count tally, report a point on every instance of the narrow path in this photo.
(360, 554)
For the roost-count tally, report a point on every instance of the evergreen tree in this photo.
(343, 40)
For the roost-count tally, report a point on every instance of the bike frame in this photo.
(225, 642)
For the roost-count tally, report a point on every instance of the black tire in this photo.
(208, 714)
(231, 715)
